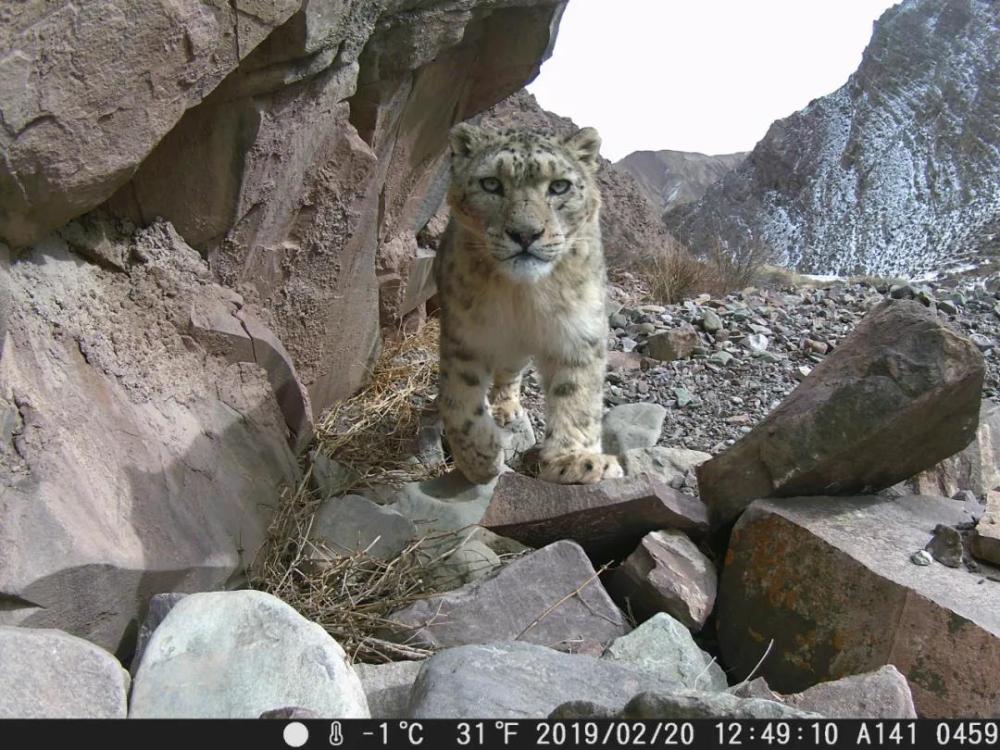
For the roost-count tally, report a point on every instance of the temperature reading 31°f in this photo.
(471, 734)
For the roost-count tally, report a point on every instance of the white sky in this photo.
(698, 75)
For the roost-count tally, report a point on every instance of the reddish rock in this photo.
(830, 582)
(667, 573)
(607, 519)
(678, 343)
(901, 393)
(882, 694)
(977, 468)
(986, 539)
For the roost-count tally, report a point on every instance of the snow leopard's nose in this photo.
(524, 238)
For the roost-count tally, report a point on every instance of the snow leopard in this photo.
(521, 278)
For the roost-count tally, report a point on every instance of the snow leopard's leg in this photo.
(472, 434)
(505, 398)
(571, 452)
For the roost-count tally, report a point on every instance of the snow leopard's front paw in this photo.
(582, 467)
(477, 450)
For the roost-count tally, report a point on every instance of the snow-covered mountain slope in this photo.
(897, 172)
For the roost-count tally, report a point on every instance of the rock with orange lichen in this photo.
(830, 582)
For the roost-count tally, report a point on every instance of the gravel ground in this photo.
(765, 343)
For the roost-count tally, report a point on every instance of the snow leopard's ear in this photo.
(585, 145)
(465, 140)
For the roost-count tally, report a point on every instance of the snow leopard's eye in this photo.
(558, 187)
(491, 185)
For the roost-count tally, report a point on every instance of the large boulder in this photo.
(825, 586)
(237, 654)
(901, 393)
(87, 90)
(134, 461)
(48, 674)
(521, 681)
(564, 605)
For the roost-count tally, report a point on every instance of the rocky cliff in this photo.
(255, 175)
(675, 178)
(897, 172)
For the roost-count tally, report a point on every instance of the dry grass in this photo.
(350, 596)
(674, 275)
(738, 268)
(374, 433)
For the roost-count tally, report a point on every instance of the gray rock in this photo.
(631, 426)
(946, 546)
(947, 307)
(882, 694)
(756, 342)
(898, 395)
(669, 465)
(521, 681)
(48, 674)
(666, 573)
(329, 476)
(921, 557)
(683, 396)
(984, 343)
(159, 606)
(388, 686)
(502, 608)
(755, 688)
(710, 321)
(696, 705)
(349, 524)
(664, 646)
(446, 503)
(458, 559)
(721, 358)
(206, 658)
(517, 438)
(860, 603)
(581, 710)
(290, 712)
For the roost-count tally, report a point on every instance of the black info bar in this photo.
(441, 734)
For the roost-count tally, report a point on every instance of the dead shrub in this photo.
(674, 275)
(737, 268)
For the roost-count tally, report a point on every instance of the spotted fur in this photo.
(521, 277)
